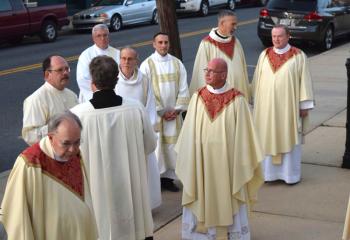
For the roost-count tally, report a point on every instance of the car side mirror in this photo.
(129, 2)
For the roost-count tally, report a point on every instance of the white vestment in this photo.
(39, 107)
(239, 230)
(229, 49)
(83, 73)
(139, 88)
(115, 142)
(169, 81)
(280, 90)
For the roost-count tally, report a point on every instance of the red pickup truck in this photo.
(19, 18)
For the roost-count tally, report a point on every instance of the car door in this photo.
(336, 9)
(13, 20)
(133, 11)
(216, 2)
(347, 15)
(149, 6)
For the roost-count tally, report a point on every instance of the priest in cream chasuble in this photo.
(222, 44)
(283, 94)
(218, 160)
(47, 194)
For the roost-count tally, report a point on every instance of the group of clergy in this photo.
(133, 142)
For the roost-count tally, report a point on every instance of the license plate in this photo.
(286, 22)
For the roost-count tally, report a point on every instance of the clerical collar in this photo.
(217, 37)
(130, 80)
(223, 89)
(160, 57)
(59, 159)
(282, 50)
(222, 36)
(100, 50)
(52, 88)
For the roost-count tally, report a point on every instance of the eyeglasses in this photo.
(60, 70)
(66, 145)
(209, 71)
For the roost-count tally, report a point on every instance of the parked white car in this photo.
(202, 6)
(116, 14)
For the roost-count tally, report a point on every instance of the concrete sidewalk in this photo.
(313, 209)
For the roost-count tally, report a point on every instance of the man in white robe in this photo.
(135, 85)
(47, 194)
(220, 43)
(100, 37)
(116, 139)
(169, 81)
(219, 161)
(51, 98)
(283, 95)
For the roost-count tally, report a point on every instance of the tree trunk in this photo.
(168, 24)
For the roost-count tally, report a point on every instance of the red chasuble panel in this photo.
(277, 60)
(227, 48)
(215, 103)
(69, 173)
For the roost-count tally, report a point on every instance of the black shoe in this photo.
(168, 184)
(149, 238)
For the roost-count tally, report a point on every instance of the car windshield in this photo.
(109, 2)
(298, 5)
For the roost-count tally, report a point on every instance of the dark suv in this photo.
(318, 21)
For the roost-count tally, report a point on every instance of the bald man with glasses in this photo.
(51, 98)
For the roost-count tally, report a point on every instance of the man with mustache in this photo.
(51, 98)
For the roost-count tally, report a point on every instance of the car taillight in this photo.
(264, 13)
(313, 16)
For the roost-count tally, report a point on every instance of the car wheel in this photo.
(327, 42)
(48, 32)
(155, 18)
(204, 8)
(231, 4)
(266, 42)
(116, 23)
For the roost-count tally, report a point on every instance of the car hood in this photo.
(98, 9)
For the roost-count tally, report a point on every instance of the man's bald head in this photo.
(219, 63)
(216, 73)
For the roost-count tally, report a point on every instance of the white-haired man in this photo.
(100, 37)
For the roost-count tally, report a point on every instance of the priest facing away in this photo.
(219, 160)
(116, 140)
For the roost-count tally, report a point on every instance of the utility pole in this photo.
(346, 157)
(168, 24)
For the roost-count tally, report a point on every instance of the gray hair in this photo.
(130, 48)
(57, 119)
(283, 27)
(225, 13)
(98, 27)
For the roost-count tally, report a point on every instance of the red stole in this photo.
(227, 48)
(277, 60)
(215, 103)
(69, 173)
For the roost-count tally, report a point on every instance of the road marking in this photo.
(135, 45)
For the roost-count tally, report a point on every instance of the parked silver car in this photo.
(116, 14)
